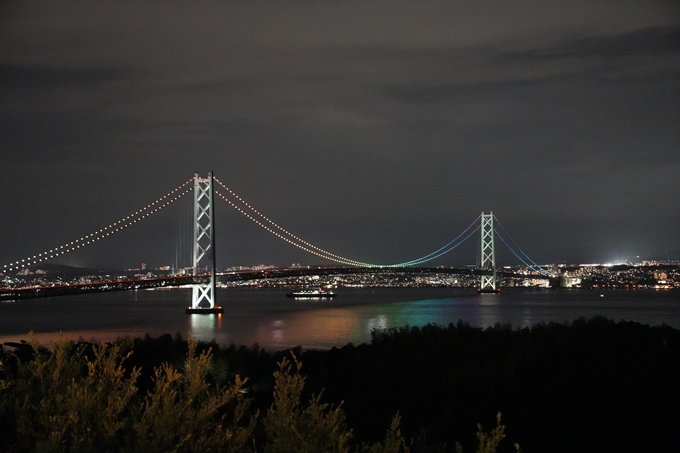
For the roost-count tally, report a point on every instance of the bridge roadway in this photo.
(303, 271)
(97, 287)
(227, 277)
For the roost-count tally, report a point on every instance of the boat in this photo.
(311, 294)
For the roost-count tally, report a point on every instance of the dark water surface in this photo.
(267, 317)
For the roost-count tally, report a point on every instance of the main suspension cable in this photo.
(113, 228)
(437, 253)
(328, 255)
(294, 240)
(532, 264)
(310, 249)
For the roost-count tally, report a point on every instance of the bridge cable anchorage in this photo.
(536, 267)
(314, 250)
(113, 228)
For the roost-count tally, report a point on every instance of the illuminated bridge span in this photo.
(204, 276)
(241, 276)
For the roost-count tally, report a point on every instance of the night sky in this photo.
(375, 130)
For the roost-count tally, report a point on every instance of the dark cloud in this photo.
(374, 130)
(34, 77)
(648, 41)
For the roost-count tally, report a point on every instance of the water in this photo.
(267, 317)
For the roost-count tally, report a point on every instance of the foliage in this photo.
(585, 383)
(183, 413)
(79, 397)
(290, 427)
(489, 440)
(393, 443)
(72, 399)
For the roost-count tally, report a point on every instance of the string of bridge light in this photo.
(515, 244)
(306, 246)
(437, 253)
(533, 268)
(103, 232)
(432, 255)
(315, 251)
(330, 256)
(536, 267)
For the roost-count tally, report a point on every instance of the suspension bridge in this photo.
(203, 276)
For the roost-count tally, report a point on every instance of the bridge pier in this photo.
(488, 261)
(203, 294)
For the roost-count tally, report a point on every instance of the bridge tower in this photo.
(203, 294)
(488, 261)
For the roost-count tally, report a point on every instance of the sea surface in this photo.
(275, 322)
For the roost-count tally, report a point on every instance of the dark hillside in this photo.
(589, 386)
(593, 385)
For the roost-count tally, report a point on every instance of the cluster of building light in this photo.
(591, 276)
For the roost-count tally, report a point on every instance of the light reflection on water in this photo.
(277, 331)
(380, 322)
(273, 321)
(204, 327)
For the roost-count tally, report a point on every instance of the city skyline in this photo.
(377, 131)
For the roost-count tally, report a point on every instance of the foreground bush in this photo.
(591, 385)
(81, 397)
